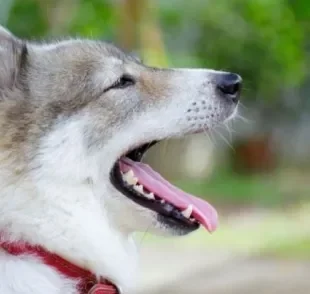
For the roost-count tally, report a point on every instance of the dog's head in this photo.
(82, 113)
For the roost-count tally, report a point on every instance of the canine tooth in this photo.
(149, 196)
(139, 188)
(130, 173)
(188, 211)
(130, 178)
(133, 181)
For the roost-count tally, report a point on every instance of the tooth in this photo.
(130, 178)
(149, 196)
(162, 201)
(188, 211)
(139, 188)
(133, 181)
(130, 173)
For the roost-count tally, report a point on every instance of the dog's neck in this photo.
(69, 226)
(87, 282)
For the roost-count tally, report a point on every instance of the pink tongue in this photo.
(154, 182)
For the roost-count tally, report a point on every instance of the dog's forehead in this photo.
(97, 58)
(92, 51)
(88, 58)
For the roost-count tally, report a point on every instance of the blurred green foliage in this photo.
(99, 21)
(26, 20)
(229, 189)
(263, 40)
(289, 249)
(266, 41)
(32, 18)
(285, 234)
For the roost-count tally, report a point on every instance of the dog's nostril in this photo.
(229, 86)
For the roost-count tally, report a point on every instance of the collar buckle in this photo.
(105, 289)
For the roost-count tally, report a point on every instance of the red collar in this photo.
(88, 283)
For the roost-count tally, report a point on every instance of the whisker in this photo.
(243, 119)
(164, 149)
(229, 129)
(212, 136)
(143, 237)
(240, 104)
(224, 139)
(208, 136)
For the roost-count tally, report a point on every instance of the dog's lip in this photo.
(137, 152)
(202, 211)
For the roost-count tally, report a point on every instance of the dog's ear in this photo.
(13, 53)
(5, 35)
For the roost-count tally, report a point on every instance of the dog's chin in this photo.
(133, 217)
(169, 227)
(165, 226)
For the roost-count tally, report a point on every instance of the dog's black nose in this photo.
(229, 86)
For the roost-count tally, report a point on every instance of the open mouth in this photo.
(139, 182)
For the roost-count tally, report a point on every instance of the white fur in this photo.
(16, 272)
(67, 218)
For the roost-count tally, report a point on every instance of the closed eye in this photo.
(123, 82)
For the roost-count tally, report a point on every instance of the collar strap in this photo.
(88, 283)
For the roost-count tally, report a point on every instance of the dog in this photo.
(76, 118)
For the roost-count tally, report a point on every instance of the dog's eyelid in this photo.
(123, 82)
(126, 80)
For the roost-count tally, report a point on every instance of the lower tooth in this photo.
(138, 188)
(188, 211)
(150, 196)
(162, 201)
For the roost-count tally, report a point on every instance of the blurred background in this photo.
(255, 171)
